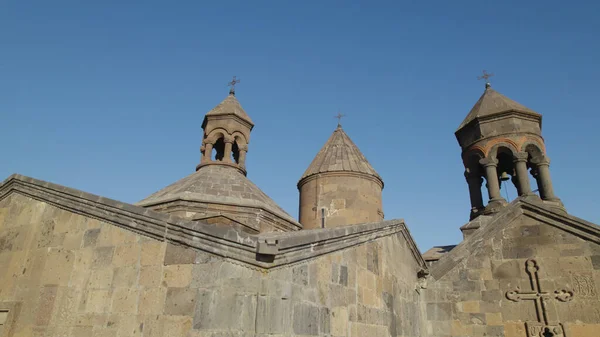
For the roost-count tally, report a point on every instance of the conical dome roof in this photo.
(230, 106)
(221, 185)
(491, 103)
(340, 154)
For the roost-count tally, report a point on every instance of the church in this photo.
(211, 255)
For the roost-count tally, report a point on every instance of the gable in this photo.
(226, 221)
(488, 284)
(536, 217)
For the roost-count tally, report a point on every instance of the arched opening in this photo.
(506, 173)
(219, 149)
(235, 152)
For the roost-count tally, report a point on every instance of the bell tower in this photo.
(501, 140)
(226, 134)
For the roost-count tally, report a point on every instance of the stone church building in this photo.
(211, 255)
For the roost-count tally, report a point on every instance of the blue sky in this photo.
(108, 97)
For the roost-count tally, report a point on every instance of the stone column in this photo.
(207, 157)
(474, 180)
(227, 153)
(520, 160)
(493, 185)
(543, 178)
(242, 159)
(491, 176)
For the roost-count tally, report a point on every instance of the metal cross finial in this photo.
(339, 117)
(232, 84)
(486, 76)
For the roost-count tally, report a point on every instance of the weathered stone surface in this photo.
(100, 279)
(478, 302)
(180, 301)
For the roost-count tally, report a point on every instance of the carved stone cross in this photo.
(543, 327)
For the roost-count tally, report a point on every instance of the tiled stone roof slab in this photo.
(340, 154)
(491, 103)
(218, 184)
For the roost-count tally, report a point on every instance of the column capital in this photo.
(520, 157)
(228, 140)
(541, 161)
(243, 148)
(488, 162)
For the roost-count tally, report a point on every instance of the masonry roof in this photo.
(340, 154)
(230, 105)
(218, 184)
(287, 248)
(491, 103)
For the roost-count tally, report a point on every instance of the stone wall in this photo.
(66, 274)
(344, 198)
(486, 292)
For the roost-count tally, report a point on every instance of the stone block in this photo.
(300, 275)
(596, 261)
(231, 270)
(176, 254)
(101, 278)
(493, 318)
(58, 268)
(152, 301)
(90, 238)
(72, 240)
(102, 257)
(306, 319)
(180, 301)
(273, 315)
(125, 300)
(339, 321)
(46, 305)
(466, 285)
(176, 325)
(492, 295)
(366, 279)
(584, 330)
(177, 275)
(204, 275)
(439, 311)
(344, 275)
(126, 276)
(126, 255)
(153, 252)
(225, 310)
(575, 263)
(373, 258)
(150, 276)
(96, 301)
(507, 269)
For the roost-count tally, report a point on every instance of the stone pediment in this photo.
(519, 208)
(263, 251)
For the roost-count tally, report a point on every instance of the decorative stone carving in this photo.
(584, 286)
(543, 327)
